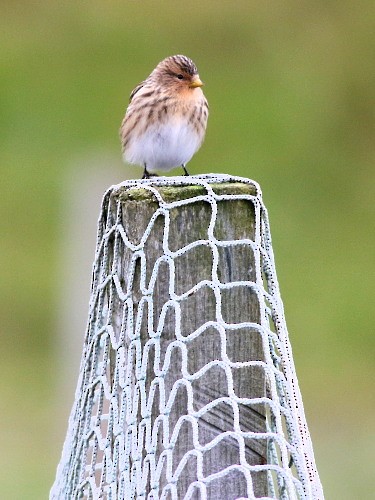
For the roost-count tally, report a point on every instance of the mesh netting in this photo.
(187, 387)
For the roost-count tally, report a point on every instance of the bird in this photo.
(166, 119)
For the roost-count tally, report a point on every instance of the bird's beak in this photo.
(195, 82)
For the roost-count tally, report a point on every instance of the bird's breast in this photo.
(165, 144)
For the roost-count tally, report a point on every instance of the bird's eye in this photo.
(180, 77)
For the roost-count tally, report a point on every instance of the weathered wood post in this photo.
(189, 223)
(187, 387)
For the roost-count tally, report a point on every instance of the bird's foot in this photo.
(146, 173)
(185, 171)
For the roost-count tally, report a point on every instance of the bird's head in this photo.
(178, 73)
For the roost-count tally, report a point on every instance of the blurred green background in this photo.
(291, 87)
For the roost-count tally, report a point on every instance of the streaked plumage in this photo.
(166, 119)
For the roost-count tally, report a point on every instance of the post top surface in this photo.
(182, 187)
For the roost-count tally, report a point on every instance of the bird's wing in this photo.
(137, 88)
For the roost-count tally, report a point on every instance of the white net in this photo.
(187, 387)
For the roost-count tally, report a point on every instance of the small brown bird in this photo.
(165, 123)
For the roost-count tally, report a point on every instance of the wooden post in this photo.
(188, 223)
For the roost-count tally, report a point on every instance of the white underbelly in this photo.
(164, 146)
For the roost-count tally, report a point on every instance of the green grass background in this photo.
(291, 87)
